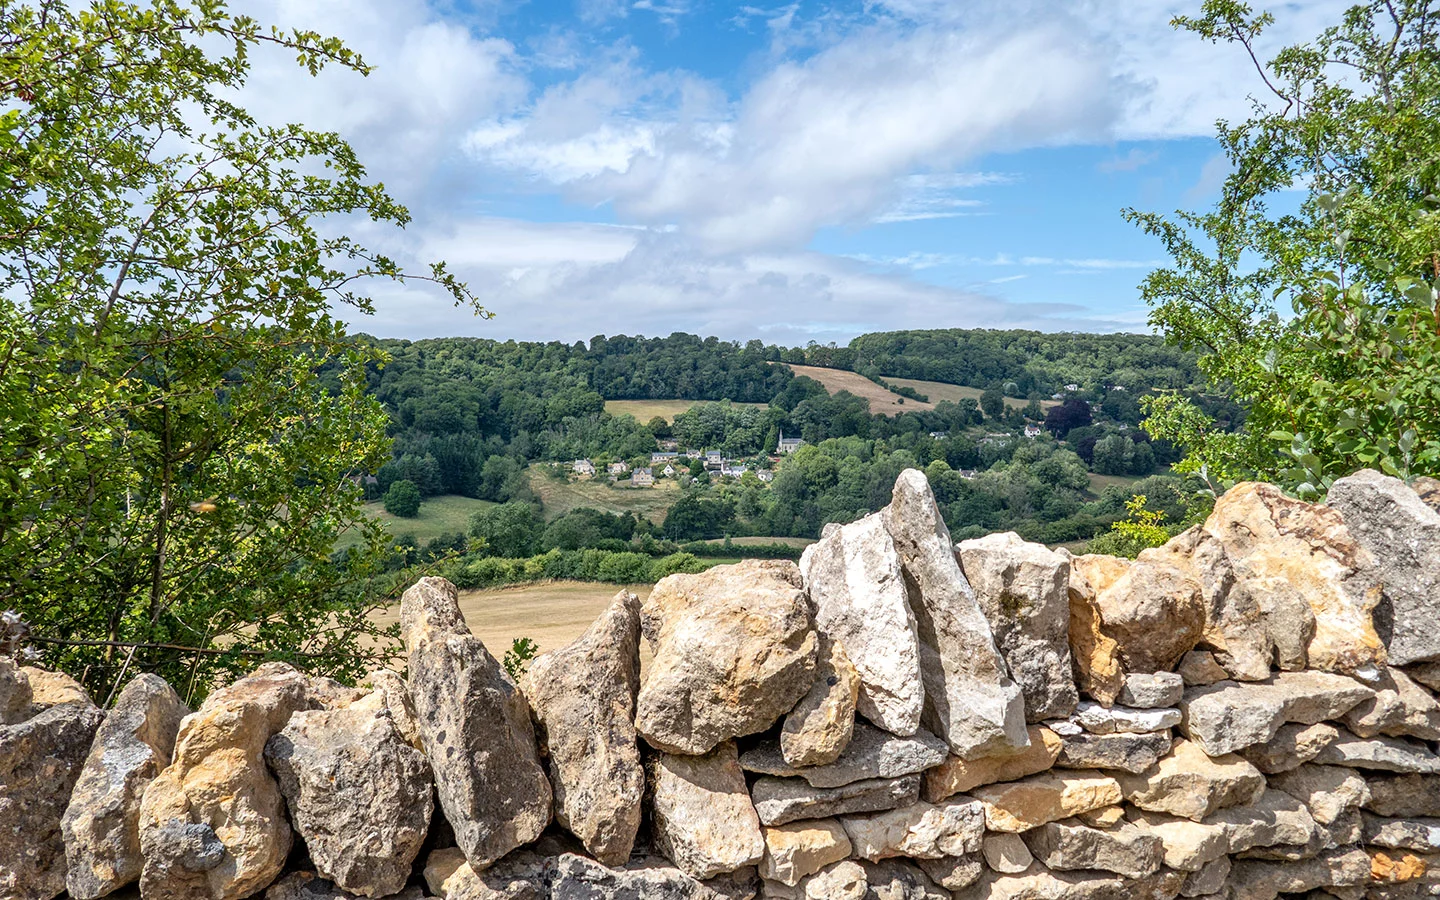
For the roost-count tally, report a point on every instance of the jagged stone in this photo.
(704, 822)
(357, 793)
(1022, 588)
(1293, 745)
(734, 651)
(954, 873)
(1210, 878)
(49, 689)
(1198, 667)
(1098, 719)
(802, 848)
(897, 879)
(1399, 708)
(1305, 573)
(40, 759)
(1096, 655)
(955, 774)
(1421, 835)
(1329, 792)
(872, 753)
(1006, 853)
(102, 821)
(1155, 612)
(1258, 880)
(1048, 797)
(1127, 851)
(1188, 846)
(1189, 783)
(212, 823)
(819, 728)
(971, 701)
(781, 800)
(1229, 716)
(15, 693)
(1152, 690)
(471, 715)
(1104, 817)
(1039, 883)
(921, 831)
(1380, 754)
(522, 875)
(387, 690)
(860, 601)
(1405, 796)
(1427, 674)
(582, 697)
(1126, 752)
(1402, 534)
(1275, 818)
(838, 881)
(310, 886)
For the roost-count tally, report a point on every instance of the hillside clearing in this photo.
(559, 497)
(446, 514)
(799, 543)
(939, 391)
(645, 410)
(883, 402)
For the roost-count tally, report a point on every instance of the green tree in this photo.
(992, 403)
(181, 415)
(403, 499)
(1317, 314)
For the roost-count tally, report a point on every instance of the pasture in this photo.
(446, 514)
(939, 391)
(883, 402)
(645, 410)
(559, 497)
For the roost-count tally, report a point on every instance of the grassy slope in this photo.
(645, 410)
(883, 402)
(938, 391)
(438, 515)
(559, 497)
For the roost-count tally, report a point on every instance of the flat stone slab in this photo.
(872, 753)
(1229, 716)
(782, 800)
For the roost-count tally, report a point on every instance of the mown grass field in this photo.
(796, 542)
(438, 515)
(559, 497)
(883, 402)
(1098, 483)
(645, 410)
(939, 391)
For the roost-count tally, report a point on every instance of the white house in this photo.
(788, 445)
(619, 468)
(642, 477)
(1033, 431)
(658, 458)
(939, 435)
(766, 475)
(668, 471)
(582, 467)
(1072, 387)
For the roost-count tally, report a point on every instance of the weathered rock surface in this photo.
(102, 822)
(386, 690)
(1427, 673)
(1198, 667)
(895, 879)
(1189, 783)
(781, 800)
(954, 873)
(1151, 690)
(734, 650)
(1257, 880)
(522, 875)
(1188, 846)
(1329, 792)
(1421, 835)
(971, 701)
(1210, 879)
(1023, 590)
(310, 886)
(15, 693)
(1127, 851)
(1402, 536)
(802, 848)
(1293, 745)
(955, 774)
(1300, 565)
(49, 689)
(1048, 797)
(1400, 708)
(582, 697)
(1126, 752)
(704, 822)
(212, 823)
(1405, 796)
(856, 585)
(1275, 818)
(40, 760)
(1229, 716)
(1098, 719)
(1096, 654)
(1380, 754)
(475, 727)
(838, 881)
(1155, 612)
(1006, 853)
(872, 753)
(919, 831)
(357, 793)
(819, 728)
(1039, 883)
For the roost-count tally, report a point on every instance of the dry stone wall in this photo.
(1247, 712)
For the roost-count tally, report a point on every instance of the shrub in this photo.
(403, 499)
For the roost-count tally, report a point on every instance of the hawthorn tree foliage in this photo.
(179, 409)
(1310, 289)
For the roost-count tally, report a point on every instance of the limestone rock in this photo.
(1127, 851)
(838, 881)
(1126, 752)
(1152, 690)
(734, 650)
(1402, 534)
(897, 879)
(782, 800)
(1399, 708)
(955, 774)
(872, 753)
(1039, 883)
(1104, 817)
(40, 760)
(1329, 792)
(1023, 590)
(919, 831)
(1229, 716)
(49, 689)
(582, 697)
(1188, 846)
(704, 822)
(1189, 783)
(1210, 879)
(1155, 612)
(1275, 818)
(1427, 674)
(954, 873)
(1095, 653)
(1421, 835)
(15, 693)
(310, 886)
(1257, 880)
(1022, 805)
(1305, 572)
(1293, 745)
(1381, 754)
(357, 793)
(387, 690)
(1406, 796)
(102, 822)
(818, 729)
(1007, 853)
(1198, 667)
(1097, 719)
(971, 701)
(1398, 868)
(472, 718)
(212, 823)
(802, 848)
(646, 879)
(860, 601)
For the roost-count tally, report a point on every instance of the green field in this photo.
(559, 497)
(438, 515)
(1098, 483)
(939, 391)
(645, 410)
(798, 543)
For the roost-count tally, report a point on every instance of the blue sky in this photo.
(792, 172)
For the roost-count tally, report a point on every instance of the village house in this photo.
(714, 460)
(642, 477)
(1072, 387)
(939, 435)
(583, 467)
(995, 438)
(619, 468)
(658, 458)
(733, 470)
(788, 445)
(1033, 431)
(967, 474)
(766, 475)
(669, 444)
(668, 471)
